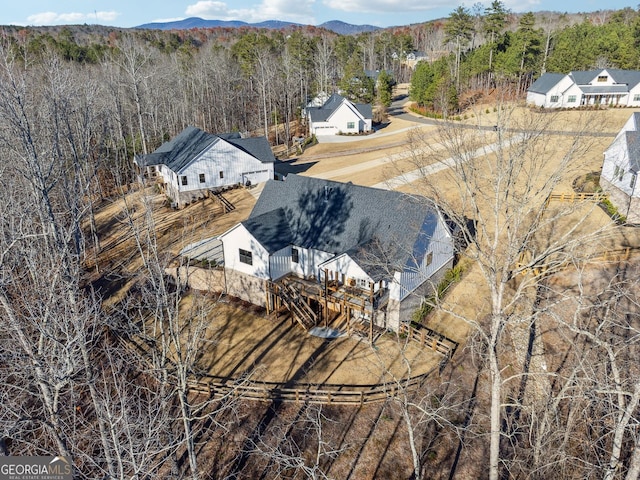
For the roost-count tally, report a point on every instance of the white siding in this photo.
(236, 167)
(239, 238)
(280, 263)
(441, 248)
(339, 121)
(631, 101)
(616, 166)
(344, 266)
(307, 266)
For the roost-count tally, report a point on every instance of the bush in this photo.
(453, 275)
(612, 211)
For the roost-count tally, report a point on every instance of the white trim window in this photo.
(245, 256)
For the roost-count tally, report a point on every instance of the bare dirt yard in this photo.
(242, 342)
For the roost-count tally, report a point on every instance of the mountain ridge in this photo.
(336, 26)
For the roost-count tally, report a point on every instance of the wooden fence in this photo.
(431, 339)
(578, 197)
(325, 394)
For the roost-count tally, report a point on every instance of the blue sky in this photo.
(382, 13)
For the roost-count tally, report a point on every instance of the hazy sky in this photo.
(382, 13)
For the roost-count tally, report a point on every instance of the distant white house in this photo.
(196, 162)
(412, 58)
(339, 115)
(585, 88)
(317, 246)
(620, 169)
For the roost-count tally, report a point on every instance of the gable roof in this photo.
(185, 147)
(340, 218)
(624, 80)
(322, 113)
(546, 82)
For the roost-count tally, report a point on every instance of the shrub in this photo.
(453, 275)
(612, 211)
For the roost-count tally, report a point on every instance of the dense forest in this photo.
(77, 103)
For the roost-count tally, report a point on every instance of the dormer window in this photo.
(603, 78)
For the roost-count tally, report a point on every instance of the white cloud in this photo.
(287, 10)
(386, 6)
(53, 18)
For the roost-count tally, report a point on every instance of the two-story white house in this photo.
(196, 162)
(619, 177)
(319, 246)
(339, 115)
(585, 88)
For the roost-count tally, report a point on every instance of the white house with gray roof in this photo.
(586, 88)
(620, 170)
(339, 115)
(196, 162)
(364, 252)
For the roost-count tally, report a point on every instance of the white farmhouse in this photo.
(196, 162)
(322, 248)
(339, 115)
(620, 170)
(585, 88)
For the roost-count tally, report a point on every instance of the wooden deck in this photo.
(312, 303)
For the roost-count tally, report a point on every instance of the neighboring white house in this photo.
(196, 162)
(583, 88)
(339, 115)
(620, 169)
(364, 252)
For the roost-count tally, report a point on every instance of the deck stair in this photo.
(226, 204)
(296, 304)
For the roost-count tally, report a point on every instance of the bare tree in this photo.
(495, 185)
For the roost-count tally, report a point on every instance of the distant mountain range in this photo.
(195, 22)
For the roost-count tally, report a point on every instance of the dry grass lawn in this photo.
(240, 342)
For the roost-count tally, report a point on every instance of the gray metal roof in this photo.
(378, 228)
(546, 82)
(185, 147)
(604, 89)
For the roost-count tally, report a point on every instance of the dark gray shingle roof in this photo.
(341, 217)
(546, 82)
(322, 114)
(633, 147)
(185, 147)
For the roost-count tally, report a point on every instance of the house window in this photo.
(603, 78)
(571, 99)
(621, 174)
(555, 98)
(221, 174)
(429, 259)
(246, 256)
(295, 255)
(183, 180)
(351, 124)
(632, 182)
(616, 171)
(636, 98)
(201, 176)
(363, 283)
